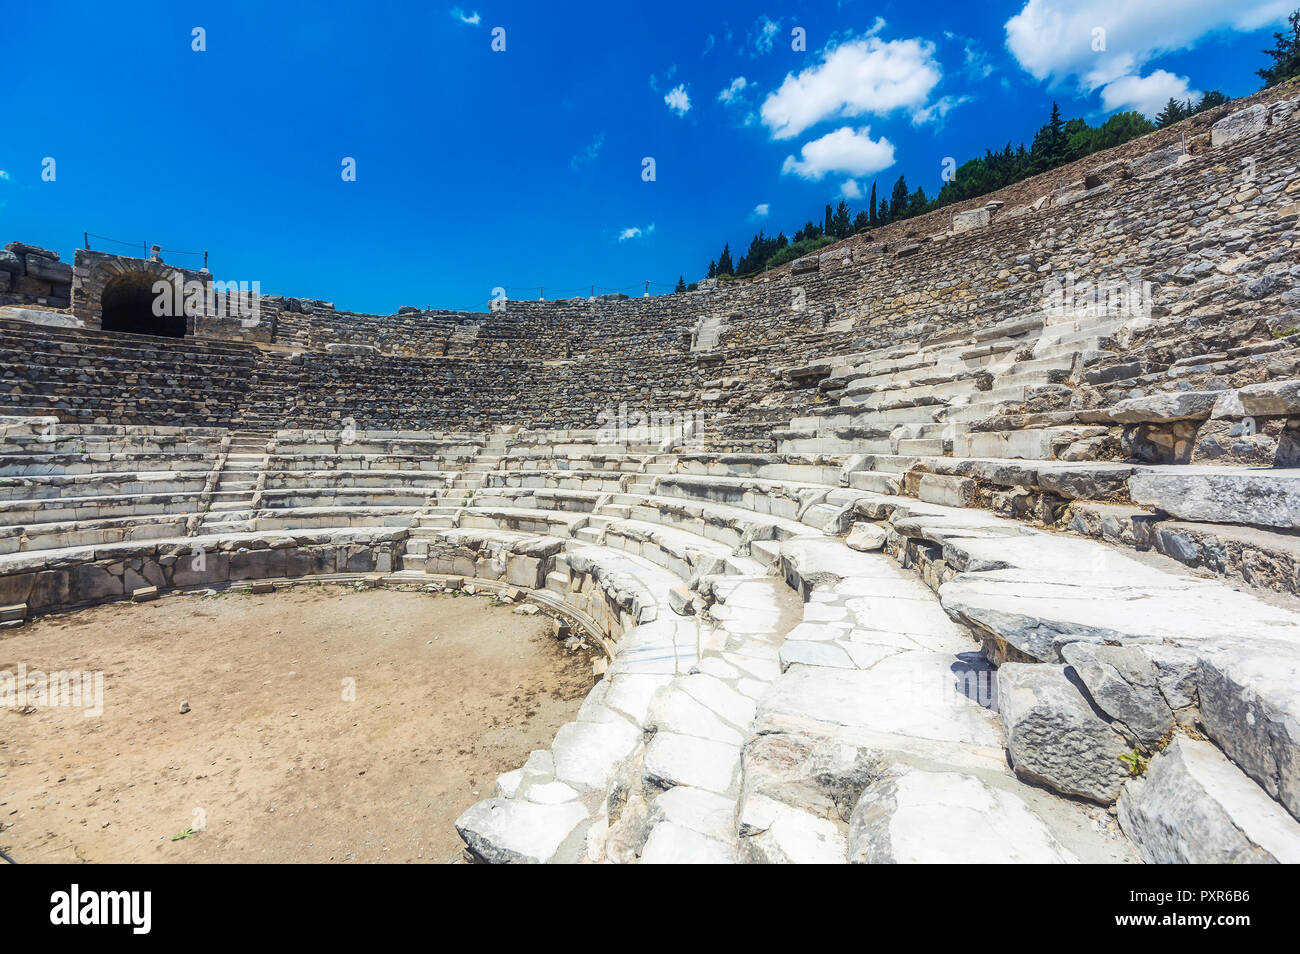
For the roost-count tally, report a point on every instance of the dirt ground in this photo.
(272, 763)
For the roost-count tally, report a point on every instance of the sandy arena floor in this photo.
(271, 762)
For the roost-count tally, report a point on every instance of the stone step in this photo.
(1235, 495)
(437, 521)
(1193, 806)
(925, 446)
(880, 482)
(224, 485)
(835, 446)
(1030, 443)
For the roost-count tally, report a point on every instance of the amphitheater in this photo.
(970, 539)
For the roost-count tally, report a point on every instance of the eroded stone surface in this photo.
(1193, 806)
(1055, 737)
(911, 816)
(511, 831)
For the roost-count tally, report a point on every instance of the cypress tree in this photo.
(898, 201)
(725, 266)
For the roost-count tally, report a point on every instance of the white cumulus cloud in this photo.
(850, 189)
(1060, 39)
(846, 150)
(1146, 94)
(857, 78)
(472, 19)
(762, 209)
(678, 100)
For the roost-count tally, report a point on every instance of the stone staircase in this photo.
(236, 492)
(707, 333)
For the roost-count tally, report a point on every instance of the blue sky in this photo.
(477, 168)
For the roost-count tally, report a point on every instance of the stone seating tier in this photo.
(742, 630)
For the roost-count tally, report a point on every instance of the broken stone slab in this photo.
(673, 710)
(1092, 481)
(1169, 406)
(1262, 497)
(708, 813)
(1051, 556)
(37, 316)
(1114, 523)
(813, 773)
(1240, 125)
(1269, 398)
(1251, 710)
(1156, 161)
(1193, 806)
(1055, 737)
(672, 844)
(681, 600)
(719, 697)
(912, 816)
(865, 537)
(970, 220)
(808, 653)
(1124, 684)
(587, 753)
(630, 693)
(674, 759)
(915, 701)
(1035, 612)
(772, 832)
(512, 831)
(808, 563)
(946, 490)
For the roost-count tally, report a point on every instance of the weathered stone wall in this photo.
(34, 276)
(1212, 231)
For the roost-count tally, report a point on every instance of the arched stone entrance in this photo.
(127, 303)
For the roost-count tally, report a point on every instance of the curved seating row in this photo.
(749, 643)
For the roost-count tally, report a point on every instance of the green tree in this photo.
(829, 227)
(1048, 149)
(810, 230)
(681, 285)
(1173, 112)
(917, 204)
(1285, 55)
(725, 266)
(871, 206)
(1210, 100)
(898, 200)
(841, 221)
(761, 250)
(1120, 128)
